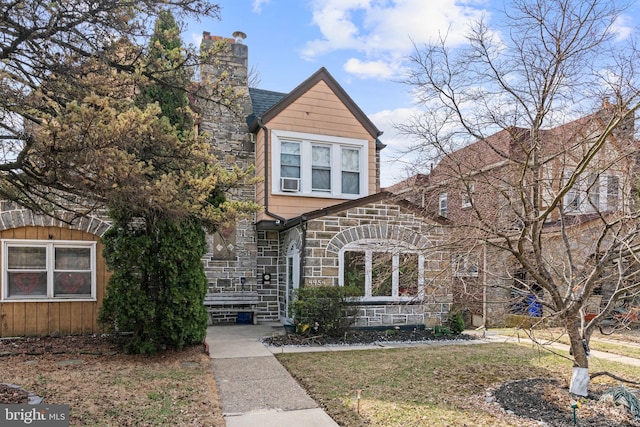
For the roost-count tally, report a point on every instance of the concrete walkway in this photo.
(595, 358)
(254, 388)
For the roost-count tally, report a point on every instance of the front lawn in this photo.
(435, 385)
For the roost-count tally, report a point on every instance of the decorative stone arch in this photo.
(292, 241)
(378, 232)
(26, 218)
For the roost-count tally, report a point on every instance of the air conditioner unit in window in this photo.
(291, 185)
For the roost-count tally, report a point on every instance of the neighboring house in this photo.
(475, 190)
(324, 221)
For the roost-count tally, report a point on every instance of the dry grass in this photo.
(175, 389)
(422, 386)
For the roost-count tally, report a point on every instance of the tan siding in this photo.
(320, 112)
(44, 318)
(290, 207)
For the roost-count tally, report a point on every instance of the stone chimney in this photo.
(232, 252)
(227, 54)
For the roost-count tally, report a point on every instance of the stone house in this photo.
(486, 192)
(324, 220)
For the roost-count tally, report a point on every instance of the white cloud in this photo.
(396, 164)
(622, 27)
(370, 69)
(257, 5)
(380, 28)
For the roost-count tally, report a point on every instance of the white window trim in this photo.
(588, 194)
(467, 197)
(370, 246)
(443, 198)
(50, 245)
(308, 140)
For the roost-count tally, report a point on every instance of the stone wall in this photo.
(381, 223)
(230, 263)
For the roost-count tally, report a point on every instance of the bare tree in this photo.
(532, 124)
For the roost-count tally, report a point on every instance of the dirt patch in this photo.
(104, 386)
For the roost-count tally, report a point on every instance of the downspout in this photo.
(278, 218)
(484, 287)
(303, 245)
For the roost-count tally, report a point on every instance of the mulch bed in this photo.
(75, 344)
(549, 401)
(365, 337)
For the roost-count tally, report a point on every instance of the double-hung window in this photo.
(290, 166)
(48, 270)
(319, 165)
(584, 196)
(467, 196)
(350, 171)
(442, 205)
(613, 188)
(320, 168)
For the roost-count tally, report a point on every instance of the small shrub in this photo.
(324, 310)
(455, 320)
(440, 330)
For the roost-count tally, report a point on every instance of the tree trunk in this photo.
(579, 350)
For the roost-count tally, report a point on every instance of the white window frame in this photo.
(467, 197)
(307, 141)
(586, 194)
(443, 205)
(322, 167)
(612, 192)
(465, 265)
(50, 246)
(368, 247)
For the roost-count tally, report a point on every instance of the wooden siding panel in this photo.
(6, 320)
(41, 310)
(54, 318)
(65, 320)
(43, 318)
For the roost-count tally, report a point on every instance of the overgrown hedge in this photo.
(154, 297)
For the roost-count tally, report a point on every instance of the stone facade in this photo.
(383, 225)
(14, 216)
(307, 251)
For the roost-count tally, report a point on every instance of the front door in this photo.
(292, 281)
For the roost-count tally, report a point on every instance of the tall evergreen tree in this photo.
(170, 77)
(158, 285)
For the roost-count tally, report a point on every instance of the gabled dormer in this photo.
(314, 148)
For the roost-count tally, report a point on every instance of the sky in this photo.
(364, 44)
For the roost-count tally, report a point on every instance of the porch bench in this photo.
(229, 302)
